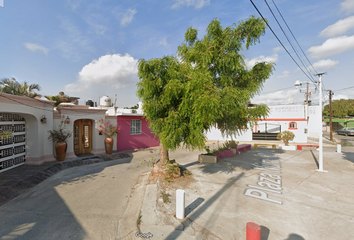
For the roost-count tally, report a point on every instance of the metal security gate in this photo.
(12, 141)
(266, 131)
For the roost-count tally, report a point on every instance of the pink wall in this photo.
(125, 141)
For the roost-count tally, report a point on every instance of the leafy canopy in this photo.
(11, 86)
(340, 108)
(209, 85)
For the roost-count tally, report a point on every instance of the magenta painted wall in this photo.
(125, 141)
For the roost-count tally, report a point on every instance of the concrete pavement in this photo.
(279, 190)
(85, 202)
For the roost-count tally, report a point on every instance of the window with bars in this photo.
(135, 127)
(292, 125)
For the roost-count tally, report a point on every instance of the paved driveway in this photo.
(84, 202)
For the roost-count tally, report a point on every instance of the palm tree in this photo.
(11, 86)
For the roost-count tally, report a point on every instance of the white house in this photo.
(302, 120)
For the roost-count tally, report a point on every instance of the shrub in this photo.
(286, 136)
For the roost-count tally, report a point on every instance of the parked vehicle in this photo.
(346, 131)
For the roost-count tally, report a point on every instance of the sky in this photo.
(90, 48)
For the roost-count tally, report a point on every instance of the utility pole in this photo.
(330, 114)
(320, 162)
(307, 94)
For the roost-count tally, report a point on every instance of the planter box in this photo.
(234, 151)
(291, 147)
(203, 158)
(227, 153)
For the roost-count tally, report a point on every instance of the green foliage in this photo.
(135, 107)
(149, 162)
(139, 220)
(286, 136)
(165, 197)
(61, 134)
(210, 87)
(231, 144)
(13, 87)
(340, 108)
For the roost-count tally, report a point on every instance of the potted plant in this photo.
(232, 145)
(109, 131)
(286, 136)
(208, 157)
(59, 137)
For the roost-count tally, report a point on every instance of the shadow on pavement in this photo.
(313, 155)
(207, 204)
(294, 236)
(193, 205)
(264, 233)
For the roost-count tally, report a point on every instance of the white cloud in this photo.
(196, 3)
(339, 96)
(74, 3)
(332, 46)
(34, 47)
(276, 98)
(163, 42)
(128, 17)
(253, 61)
(325, 64)
(284, 75)
(339, 28)
(277, 49)
(107, 73)
(348, 6)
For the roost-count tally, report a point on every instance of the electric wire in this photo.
(294, 36)
(286, 36)
(279, 40)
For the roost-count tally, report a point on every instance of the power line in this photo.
(343, 89)
(277, 90)
(294, 36)
(286, 36)
(279, 39)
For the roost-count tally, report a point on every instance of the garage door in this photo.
(12, 141)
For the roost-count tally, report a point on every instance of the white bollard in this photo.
(339, 148)
(180, 204)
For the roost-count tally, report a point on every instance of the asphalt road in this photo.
(347, 141)
(84, 202)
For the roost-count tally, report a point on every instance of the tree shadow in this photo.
(243, 162)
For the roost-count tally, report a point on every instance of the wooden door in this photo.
(82, 136)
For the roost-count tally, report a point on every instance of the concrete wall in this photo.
(126, 141)
(214, 134)
(38, 148)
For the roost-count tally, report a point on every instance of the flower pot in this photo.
(234, 151)
(108, 145)
(60, 151)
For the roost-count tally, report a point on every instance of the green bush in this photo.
(286, 136)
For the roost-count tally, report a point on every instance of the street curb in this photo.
(127, 226)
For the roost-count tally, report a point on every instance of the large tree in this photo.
(208, 85)
(340, 108)
(11, 86)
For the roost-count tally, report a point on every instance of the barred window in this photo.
(135, 127)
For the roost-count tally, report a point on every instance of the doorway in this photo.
(82, 136)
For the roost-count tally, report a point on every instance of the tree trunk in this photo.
(163, 155)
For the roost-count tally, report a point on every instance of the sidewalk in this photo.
(279, 190)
